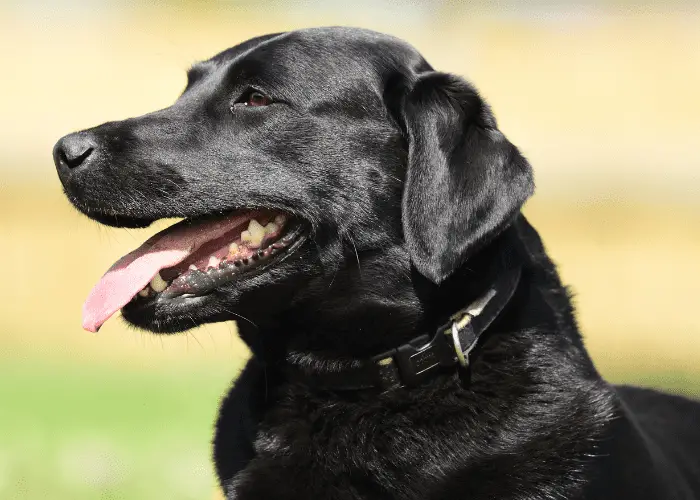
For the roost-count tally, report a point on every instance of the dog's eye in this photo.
(254, 98)
(258, 99)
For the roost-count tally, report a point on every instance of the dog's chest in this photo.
(338, 453)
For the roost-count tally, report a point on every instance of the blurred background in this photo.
(601, 96)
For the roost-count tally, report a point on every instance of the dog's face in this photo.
(297, 160)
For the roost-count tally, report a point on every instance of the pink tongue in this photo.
(135, 270)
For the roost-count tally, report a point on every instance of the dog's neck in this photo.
(323, 337)
(522, 368)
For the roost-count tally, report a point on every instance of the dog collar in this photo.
(413, 362)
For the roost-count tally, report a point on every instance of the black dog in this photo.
(411, 338)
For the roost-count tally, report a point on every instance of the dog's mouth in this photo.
(226, 258)
(192, 258)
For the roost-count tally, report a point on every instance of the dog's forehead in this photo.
(312, 53)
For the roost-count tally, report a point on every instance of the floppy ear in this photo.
(465, 182)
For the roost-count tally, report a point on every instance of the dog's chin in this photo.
(171, 315)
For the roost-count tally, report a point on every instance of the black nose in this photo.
(73, 151)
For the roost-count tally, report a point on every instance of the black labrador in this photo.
(358, 213)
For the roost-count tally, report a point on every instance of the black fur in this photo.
(412, 197)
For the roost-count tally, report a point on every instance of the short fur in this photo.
(412, 197)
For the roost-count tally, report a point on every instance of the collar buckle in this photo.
(419, 358)
(410, 364)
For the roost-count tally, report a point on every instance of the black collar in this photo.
(413, 362)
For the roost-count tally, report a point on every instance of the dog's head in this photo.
(315, 165)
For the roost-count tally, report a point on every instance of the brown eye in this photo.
(258, 99)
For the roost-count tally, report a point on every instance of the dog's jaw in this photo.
(190, 260)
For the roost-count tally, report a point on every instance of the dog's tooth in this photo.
(192, 267)
(158, 283)
(257, 233)
(253, 240)
(213, 262)
(271, 228)
(254, 226)
(144, 292)
(280, 220)
(233, 249)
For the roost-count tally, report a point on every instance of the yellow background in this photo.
(603, 98)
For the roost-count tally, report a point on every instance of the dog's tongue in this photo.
(136, 269)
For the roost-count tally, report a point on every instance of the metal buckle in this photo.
(421, 356)
(460, 351)
(464, 327)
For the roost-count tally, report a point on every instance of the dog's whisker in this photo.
(330, 284)
(241, 317)
(357, 256)
(196, 339)
(211, 337)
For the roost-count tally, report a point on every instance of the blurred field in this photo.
(601, 97)
(87, 431)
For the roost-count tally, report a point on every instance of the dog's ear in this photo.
(465, 182)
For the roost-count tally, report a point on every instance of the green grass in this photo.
(105, 432)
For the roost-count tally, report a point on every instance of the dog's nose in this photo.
(73, 151)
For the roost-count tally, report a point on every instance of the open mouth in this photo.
(225, 258)
(192, 258)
